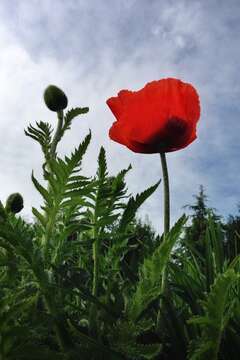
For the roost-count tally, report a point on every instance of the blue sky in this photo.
(92, 49)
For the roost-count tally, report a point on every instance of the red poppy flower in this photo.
(161, 117)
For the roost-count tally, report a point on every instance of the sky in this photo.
(93, 49)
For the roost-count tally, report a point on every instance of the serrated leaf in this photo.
(133, 205)
(41, 134)
(42, 191)
(70, 115)
(102, 164)
(39, 216)
(124, 338)
(148, 351)
(214, 320)
(149, 285)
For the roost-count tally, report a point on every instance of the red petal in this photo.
(116, 133)
(115, 105)
(161, 117)
(125, 96)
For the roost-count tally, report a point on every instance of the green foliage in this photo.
(85, 280)
(232, 238)
(70, 115)
(66, 191)
(218, 308)
(124, 335)
(133, 205)
(43, 135)
(83, 224)
(195, 233)
(149, 286)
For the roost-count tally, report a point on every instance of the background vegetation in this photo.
(84, 281)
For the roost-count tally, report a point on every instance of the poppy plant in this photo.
(161, 117)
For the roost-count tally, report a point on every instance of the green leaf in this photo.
(41, 134)
(42, 191)
(149, 285)
(124, 339)
(70, 115)
(39, 216)
(215, 317)
(59, 199)
(133, 205)
(147, 351)
(102, 164)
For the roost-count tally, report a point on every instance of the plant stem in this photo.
(57, 135)
(95, 285)
(166, 203)
(52, 155)
(166, 194)
(95, 269)
(92, 317)
(60, 325)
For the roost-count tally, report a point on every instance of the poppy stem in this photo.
(166, 200)
(166, 194)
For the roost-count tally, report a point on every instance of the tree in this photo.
(195, 233)
(232, 235)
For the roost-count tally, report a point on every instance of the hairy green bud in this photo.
(54, 98)
(14, 203)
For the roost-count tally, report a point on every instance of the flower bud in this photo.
(54, 98)
(14, 203)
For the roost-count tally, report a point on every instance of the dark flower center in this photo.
(176, 127)
(173, 134)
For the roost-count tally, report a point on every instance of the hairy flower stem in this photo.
(92, 317)
(60, 324)
(166, 194)
(53, 147)
(166, 200)
(57, 135)
(95, 269)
